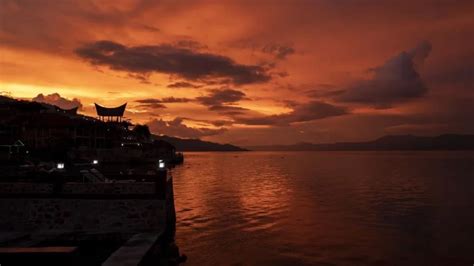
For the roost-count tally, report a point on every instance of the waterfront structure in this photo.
(76, 184)
(46, 127)
(54, 130)
(113, 223)
(107, 114)
(49, 133)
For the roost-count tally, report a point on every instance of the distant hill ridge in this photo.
(390, 142)
(180, 144)
(197, 145)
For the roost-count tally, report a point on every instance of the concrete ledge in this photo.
(133, 251)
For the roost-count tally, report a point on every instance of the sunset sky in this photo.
(249, 72)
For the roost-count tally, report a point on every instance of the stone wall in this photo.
(138, 188)
(82, 214)
(124, 207)
(18, 188)
(141, 188)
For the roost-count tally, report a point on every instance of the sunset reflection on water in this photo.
(326, 208)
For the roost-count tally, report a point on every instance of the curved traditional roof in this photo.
(115, 111)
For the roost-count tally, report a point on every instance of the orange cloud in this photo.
(299, 68)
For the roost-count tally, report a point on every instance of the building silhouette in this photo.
(49, 132)
(114, 114)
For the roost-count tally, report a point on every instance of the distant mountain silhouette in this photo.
(386, 143)
(197, 145)
(10, 108)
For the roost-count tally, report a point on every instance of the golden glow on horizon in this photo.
(27, 91)
(318, 47)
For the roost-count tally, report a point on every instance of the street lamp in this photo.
(161, 164)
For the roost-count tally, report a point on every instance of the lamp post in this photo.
(161, 164)
(160, 181)
(60, 166)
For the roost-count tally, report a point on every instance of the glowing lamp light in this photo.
(95, 161)
(60, 165)
(161, 164)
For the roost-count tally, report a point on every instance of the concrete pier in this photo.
(134, 216)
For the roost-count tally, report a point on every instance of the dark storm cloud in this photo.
(324, 93)
(310, 111)
(279, 51)
(164, 58)
(191, 44)
(150, 104)
(182, 84)
(143, 78)
(58, 100)
(397, 80)
(148, 28)
(256, 44)
(176, 128)
(164, 100)
(148, 101)
(219, 97)
(220, 123)
(229, 110)
(221, 101)
(216, 123)
(159, 103)
(175, 100)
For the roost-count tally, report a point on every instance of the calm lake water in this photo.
(326, 208)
